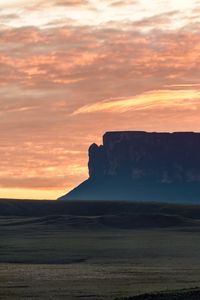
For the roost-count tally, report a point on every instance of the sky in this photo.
(70, 70)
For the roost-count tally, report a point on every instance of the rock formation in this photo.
(143, 166)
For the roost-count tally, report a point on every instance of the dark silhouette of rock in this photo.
(137, 165)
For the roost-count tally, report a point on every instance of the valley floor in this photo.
(58, 260)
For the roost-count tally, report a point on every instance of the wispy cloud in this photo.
(71, 2)
(118, 3)
(148, 100)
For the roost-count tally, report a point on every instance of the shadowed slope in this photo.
(97, 214)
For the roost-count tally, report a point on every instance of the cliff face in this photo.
(143, 166)
(157, 157)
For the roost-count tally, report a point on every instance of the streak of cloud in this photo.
(162, 98)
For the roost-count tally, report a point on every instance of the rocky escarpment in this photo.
(143, 166)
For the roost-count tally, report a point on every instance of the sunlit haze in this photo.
(71, 70)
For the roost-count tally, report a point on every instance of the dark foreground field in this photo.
(99, 250)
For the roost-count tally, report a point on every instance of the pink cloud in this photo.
(48, 77)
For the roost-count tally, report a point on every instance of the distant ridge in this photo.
(98, 214)
(142, 166)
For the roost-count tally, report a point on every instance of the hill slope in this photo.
(96, 214)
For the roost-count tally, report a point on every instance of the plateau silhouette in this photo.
(142, 166)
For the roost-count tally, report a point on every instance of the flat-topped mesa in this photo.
(158, 157)
(137, 165)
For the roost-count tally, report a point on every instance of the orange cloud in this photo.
(148, 100)
(62, 87)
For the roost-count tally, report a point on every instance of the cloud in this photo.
(74, 56)
(71, 2)
(148, 100)
(8, 17)
(153, 21)
(63, 86)
(123, 3)
(53, 3)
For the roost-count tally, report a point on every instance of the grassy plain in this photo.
(86, 257)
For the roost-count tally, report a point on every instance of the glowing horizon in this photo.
(74, 69)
